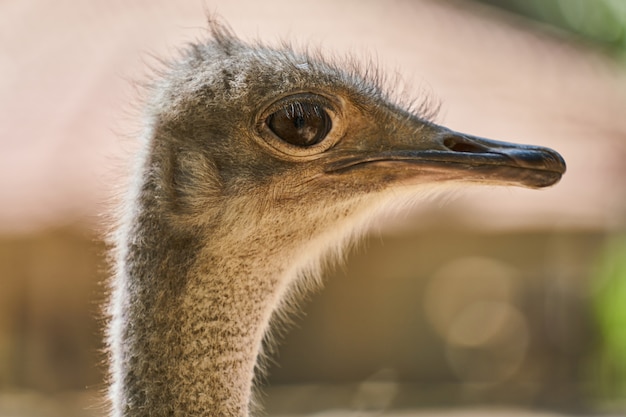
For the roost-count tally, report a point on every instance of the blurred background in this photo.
(506, 300)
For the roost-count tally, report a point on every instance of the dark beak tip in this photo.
(549, 180)
(552, 160)
(545, 166)
(524, 156)
(560, 161)
(533, 157)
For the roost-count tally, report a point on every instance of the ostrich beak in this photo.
(443, 154)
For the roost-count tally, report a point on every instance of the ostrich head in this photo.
(257, 162)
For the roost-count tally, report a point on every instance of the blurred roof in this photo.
(67, 115)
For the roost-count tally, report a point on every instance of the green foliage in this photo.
(601, 21)
(608, 368)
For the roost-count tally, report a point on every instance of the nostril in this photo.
(460, 144)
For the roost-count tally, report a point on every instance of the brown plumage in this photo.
(256, 164)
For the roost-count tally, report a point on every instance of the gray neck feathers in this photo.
(192, 302)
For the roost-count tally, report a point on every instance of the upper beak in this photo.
(449, 155)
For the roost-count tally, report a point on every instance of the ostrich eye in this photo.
(300, 123)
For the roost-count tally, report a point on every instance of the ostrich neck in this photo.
(190, 322)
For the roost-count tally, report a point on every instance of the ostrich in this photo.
(257, 164)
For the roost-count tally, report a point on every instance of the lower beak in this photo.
(457, 156)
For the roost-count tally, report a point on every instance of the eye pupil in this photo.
(300, 123)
